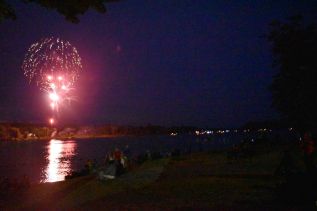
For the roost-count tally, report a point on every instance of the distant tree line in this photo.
(22, 131)
(18, 131)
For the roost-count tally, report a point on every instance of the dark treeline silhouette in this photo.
(31, 131)
(70, 9)
(22, 131)
(294, 48)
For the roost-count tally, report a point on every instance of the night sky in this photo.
(167, 62)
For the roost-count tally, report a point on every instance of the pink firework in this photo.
(54, 65)
(51, 57)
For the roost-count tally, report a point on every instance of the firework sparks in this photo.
(54, 65)
(49, 59)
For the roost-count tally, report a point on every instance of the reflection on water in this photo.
(59, 160)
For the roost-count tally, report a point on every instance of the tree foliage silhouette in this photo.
(70, 9)
(294, 48)
(6, 11)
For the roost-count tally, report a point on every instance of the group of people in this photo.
(118, 162)
(115, 164)
(307, 146)
(300, 184)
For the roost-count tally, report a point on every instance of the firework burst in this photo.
(51, 57)
(54, 65)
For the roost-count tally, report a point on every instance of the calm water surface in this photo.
(50, 161)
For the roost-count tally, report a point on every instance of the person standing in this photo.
(308, 147)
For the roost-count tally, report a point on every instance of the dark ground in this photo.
(199, 181)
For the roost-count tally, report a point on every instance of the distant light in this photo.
(60, 78)
(49, 77)
(51, 121)
(64, 87)
(52, 105)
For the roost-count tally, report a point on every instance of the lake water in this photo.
(50, 161)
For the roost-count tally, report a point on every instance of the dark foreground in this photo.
(200, 181)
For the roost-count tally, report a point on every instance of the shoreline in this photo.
(74, 137)
(62, 138)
